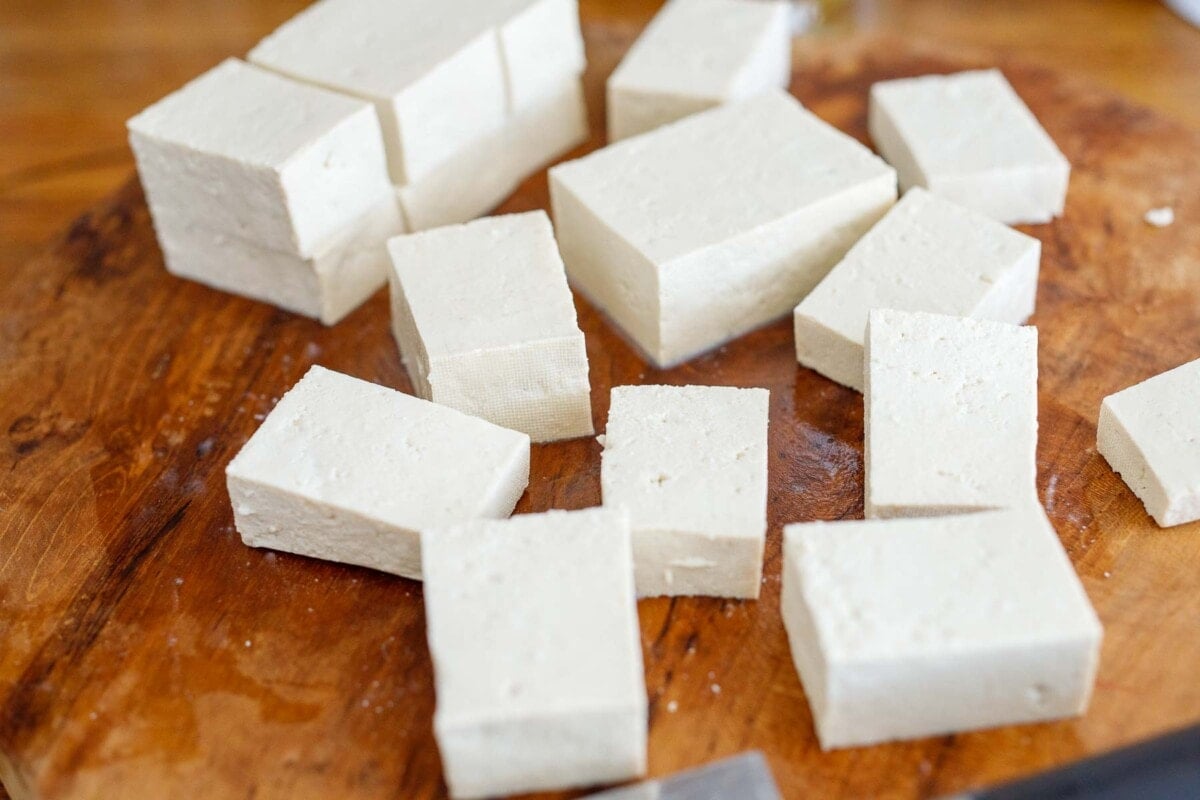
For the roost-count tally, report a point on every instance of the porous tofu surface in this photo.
(492, 283)
(951, 414)
(351, 444)
(717, 175)
(889, 589)
(546, 602)
(928, 254)
(702, 48)
(688, 458)
(965, 123)
(246, 114)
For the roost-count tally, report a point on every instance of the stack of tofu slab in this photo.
(473, 95)
(724, 206)
(281, 179)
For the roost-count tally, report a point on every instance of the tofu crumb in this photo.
(716, 688)
(672, 707)
(248, 643)
(1160, 217)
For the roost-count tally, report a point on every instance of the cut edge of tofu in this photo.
(1126, 458)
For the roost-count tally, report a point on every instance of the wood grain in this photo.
(148, 653)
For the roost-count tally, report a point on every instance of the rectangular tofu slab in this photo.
(345, 470)
(690, 465)
(926, 254)
(247, 153)
(696, 54)
(533, 629)
(480, 177)
(326, 286)
(440, 74)
(1150, 434)
(707, 228)
(969, 138)
(903, 629)
(486, 324)
(950, 415)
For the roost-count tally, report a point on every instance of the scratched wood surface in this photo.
(145, 652)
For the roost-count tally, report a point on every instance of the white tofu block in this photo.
(486, 324)
(1150, 434)
(690, 465)
(920, 627)
(707, 228)
(969, 138)
(345, 470)
(326, 286)
(696, 54)
(242, 151)
(479, 178)
(950, 415)
(440, 74)
(926, 254)
(533, 629)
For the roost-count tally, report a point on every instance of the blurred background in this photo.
(72, 72)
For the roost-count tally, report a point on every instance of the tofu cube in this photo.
(440, 74)
(921, 627)
(690, 465)
(485, 324)
(950, 415)
(707, 228)
(268, 188)
(533, 629)
(969, 138)
(247, 153)
(345, 470)
(1150, 434)
(926, 254)
(696, 54)
(477, 179)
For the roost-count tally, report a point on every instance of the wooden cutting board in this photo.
(144, 651)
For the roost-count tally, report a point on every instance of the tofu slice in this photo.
(479, 178)
(486, 324)
(326, 286)
(533, 629)
(969, 138)
(1150, 434)
(690, 465)
(440, 74)
(903, 629)
(950, 415)
(345, 470)
(696, 54)
(247, 153)
(707, 228)
(926, 254)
